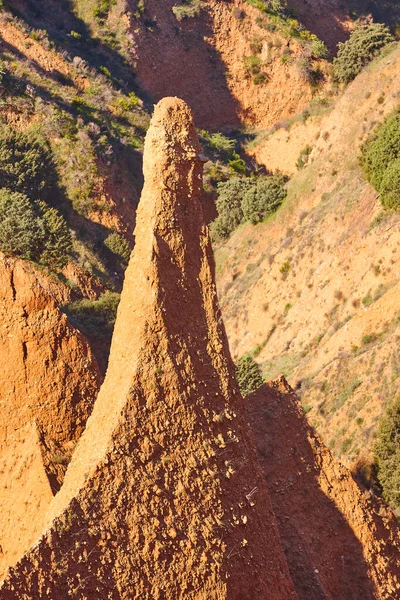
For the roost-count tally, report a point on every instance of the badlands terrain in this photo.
(198, 392)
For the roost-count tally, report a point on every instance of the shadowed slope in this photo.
(340, 543)
(164, 497)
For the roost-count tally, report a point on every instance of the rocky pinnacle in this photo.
(163, 498)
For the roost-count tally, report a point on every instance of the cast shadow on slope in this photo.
(324, 556)
(176, 59)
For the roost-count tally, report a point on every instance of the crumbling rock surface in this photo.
(48, 384)
(163, 498)
(340, 542)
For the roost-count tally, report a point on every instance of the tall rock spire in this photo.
(164, 498)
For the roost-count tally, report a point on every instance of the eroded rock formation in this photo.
(340, 542)
(163, 498)
(48, 384)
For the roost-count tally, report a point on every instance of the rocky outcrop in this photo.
(163, 497)
(340, 542)
(49, 380)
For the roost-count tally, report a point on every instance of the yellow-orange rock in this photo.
(163, 498)
(49, 380)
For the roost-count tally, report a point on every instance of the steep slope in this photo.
(314, 291)
(207, 60)
(164, 497)
(47, 389)
(340, 542)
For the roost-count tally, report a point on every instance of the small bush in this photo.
(118, 246)
(33, 231)
(380, 159)
(304, 156)
(26, 164)
(263, 198)
(188, 9)
(57, 246)
(21, 232)
(229, 205)
(387, 453)
(248, 375)
(363, 44)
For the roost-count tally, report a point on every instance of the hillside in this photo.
(312, 292)
(129, 458)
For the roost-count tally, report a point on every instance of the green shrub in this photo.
(390, 186)
(26, 164)
(318, 48)
(380, 159)
(248, 375)
(21, 231)
(387, 453)
(229, 205)
(33, 231)
(188, 9)
(118, 246)
(218, 145)
(363, 44)
(57, 246)
(263, 198)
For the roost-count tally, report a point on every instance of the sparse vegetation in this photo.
(248, 375)
(304, 156)
(96, 320)
(118, 246)
(188, 9)
(362, 46)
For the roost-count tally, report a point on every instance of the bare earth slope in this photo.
(314, 291)
(49, 380)
(164, 497)
(203, 60)
(340, 542)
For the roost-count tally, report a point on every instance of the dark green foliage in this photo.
(118, 246)
(96, 320)
(217, 145)
(387, 454)
(246, 199)
(229, 205)
(33, 231)
(26, 164)
(380, 159)
(364, 43)
(57, 244)
(263, 198)
(390, 186)
(21, 231)
(248, 375)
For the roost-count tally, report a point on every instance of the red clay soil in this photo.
(202, 60)
(340, 542)
(163, 498)
(49, 381)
